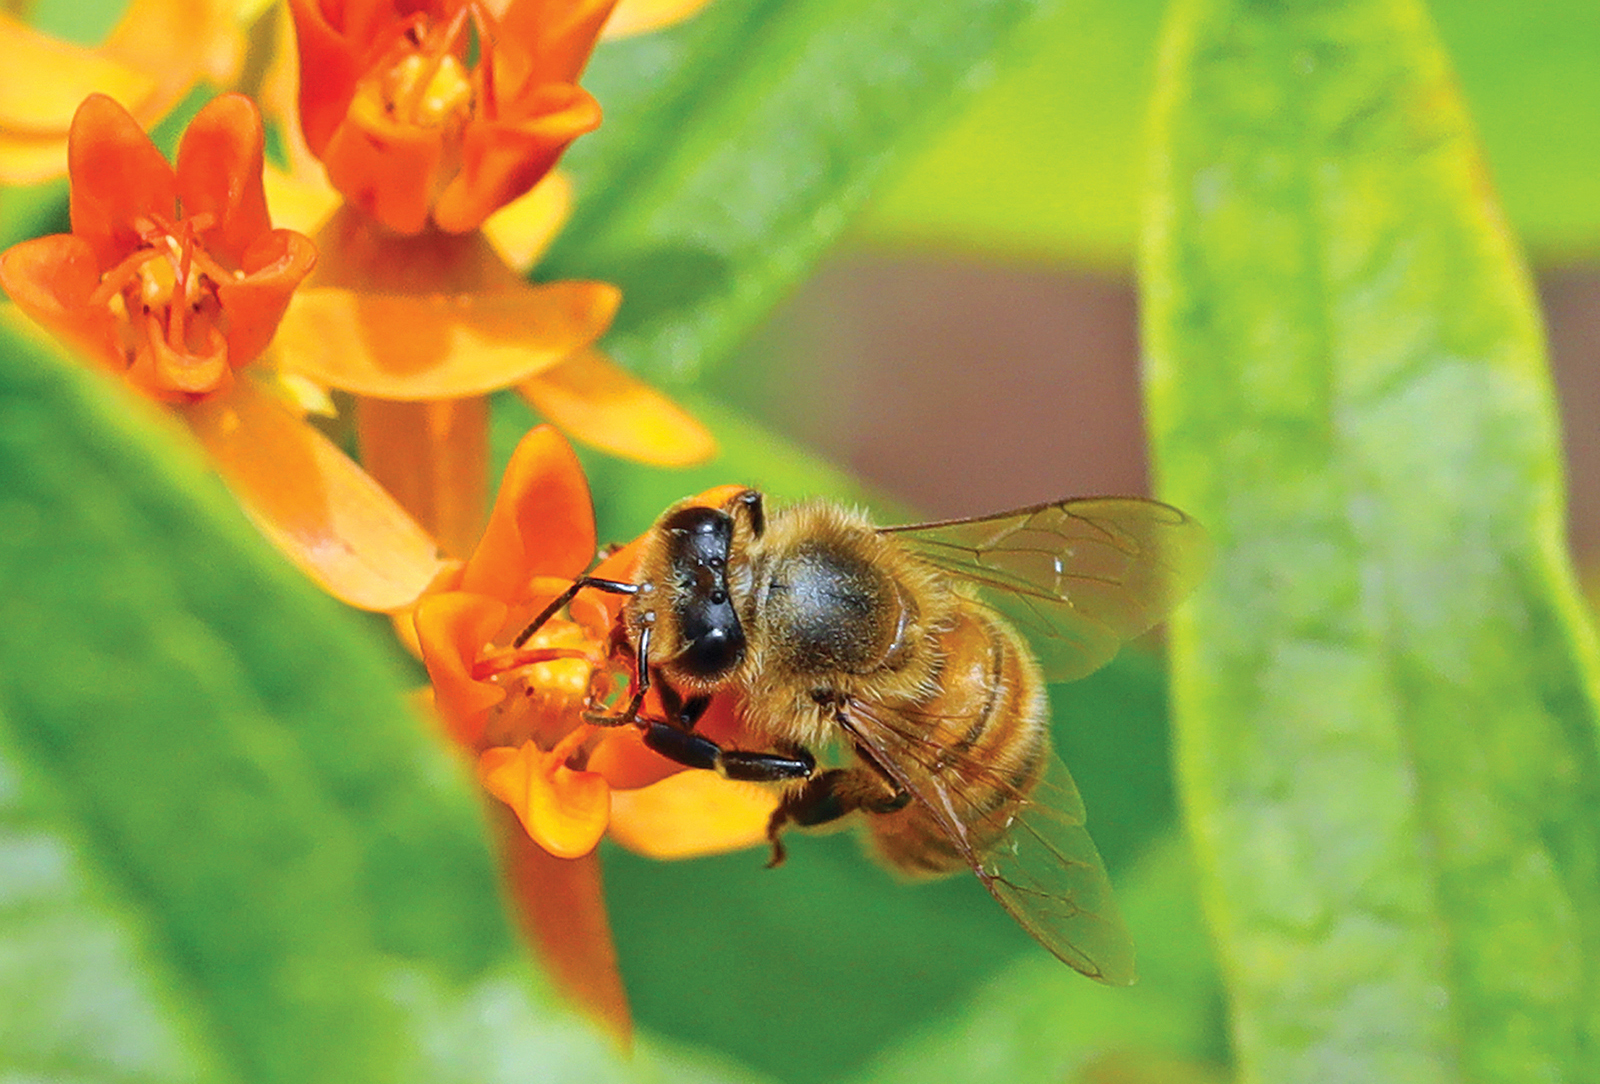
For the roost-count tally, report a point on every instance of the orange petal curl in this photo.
(313, 502)
(389, 169)
(332, 60)
(542, 523)
(220, 160)
(453, 627)
(555, 37)
(51, 279)
(503, 158)
(596, 401)
(564, 811)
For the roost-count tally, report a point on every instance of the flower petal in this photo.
(151, 58)
(452, 629)
(522, 229)
(542, 523)
(397, 346)
(298, 203)
(178, 42)
(118, 178)
(690, 814)
(47, 79)
(313, 502)
(564, 811)
(503, 158)
(432, 457)
(219, 173)
(627, 763)
(562, 909)
(51, 280)
(642, 16)
(556, 36)
(595, 401)
(385, 167)
(331, 63)
(257, 298)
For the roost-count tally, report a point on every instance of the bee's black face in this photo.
(714, 641)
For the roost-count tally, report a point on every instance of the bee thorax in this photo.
(839, 613)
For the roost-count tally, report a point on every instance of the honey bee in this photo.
(902, 646)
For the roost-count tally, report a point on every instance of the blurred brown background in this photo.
(964, 387)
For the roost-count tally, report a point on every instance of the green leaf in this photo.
(739, 147)
(1045, 162)
(1385, 694)
(228, 851)
(1034, 1020)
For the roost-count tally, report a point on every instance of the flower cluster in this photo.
(434, 127)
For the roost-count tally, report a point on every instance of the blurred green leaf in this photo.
(1385, 694)
(228, 851)
(1045, 163)
(1035, 1020)
(738, 148)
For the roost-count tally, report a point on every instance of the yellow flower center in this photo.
(164, 298)
(546, 682)
(430, 92)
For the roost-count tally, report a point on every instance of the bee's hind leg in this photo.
(835, 793)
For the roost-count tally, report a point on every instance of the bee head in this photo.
(698, 543)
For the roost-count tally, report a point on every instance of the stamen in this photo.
(428, 86)
(515, 658)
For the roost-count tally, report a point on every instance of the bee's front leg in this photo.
(698, 751)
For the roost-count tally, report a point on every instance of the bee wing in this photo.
(1042, 866)
(1077, 577)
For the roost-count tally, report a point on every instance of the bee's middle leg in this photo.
(835, 793)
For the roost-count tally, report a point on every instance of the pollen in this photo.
(430, 91)
(562, 676)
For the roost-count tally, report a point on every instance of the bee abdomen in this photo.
(985, 740)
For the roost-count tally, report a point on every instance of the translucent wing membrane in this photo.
(1076, 577)
(1033, 855)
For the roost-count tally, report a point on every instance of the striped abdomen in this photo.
(984, 741)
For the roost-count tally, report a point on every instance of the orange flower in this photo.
(410, 130)
(520, 709)
(175, 279)
(429, 116)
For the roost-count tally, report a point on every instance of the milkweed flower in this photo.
(519, 710)
(410, 132)
(429, 117)
(175, 280)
